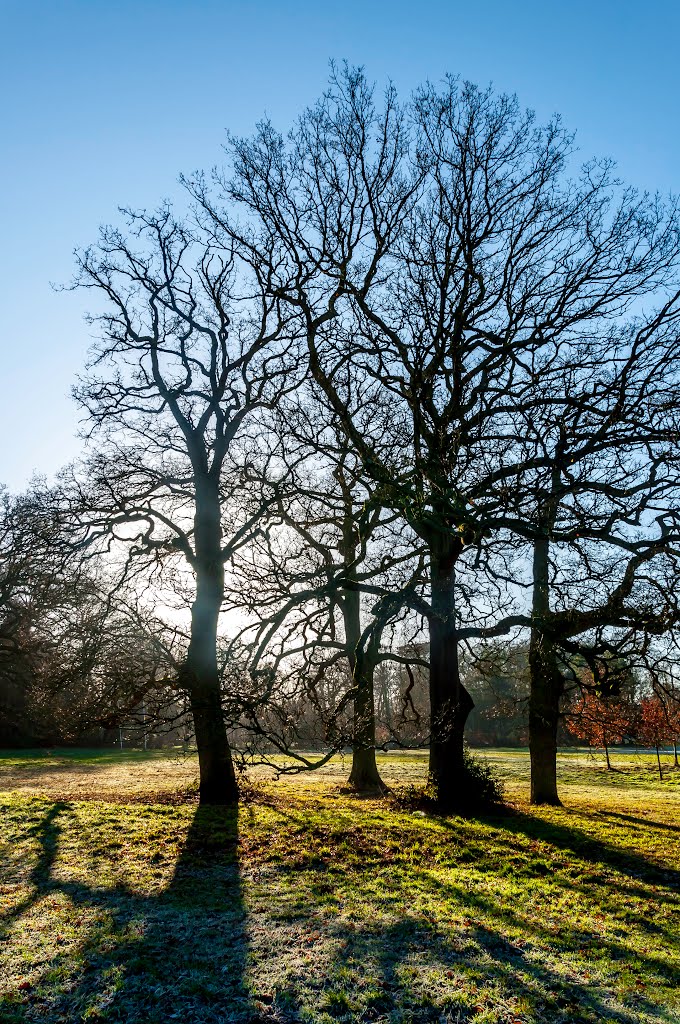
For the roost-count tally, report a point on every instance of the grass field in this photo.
(121, 901)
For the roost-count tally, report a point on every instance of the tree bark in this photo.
(364, 776)
(450, 702)
(547, 686)
(217, 777)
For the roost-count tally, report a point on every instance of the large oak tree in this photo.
(188, 351)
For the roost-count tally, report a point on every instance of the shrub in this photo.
(482, 790)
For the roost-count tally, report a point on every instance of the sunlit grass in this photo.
(318, 906)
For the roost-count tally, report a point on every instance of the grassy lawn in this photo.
(120, 901)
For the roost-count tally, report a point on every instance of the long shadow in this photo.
(47, 834)
(510, 916)
(596, 851)
(513, 822)
(645, 822)
(638, 871)
(181, 954)
(178, 955)
(584, 846)
(409, 963)
(411, 957)
(535, 972)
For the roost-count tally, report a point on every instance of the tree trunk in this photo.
(217, 777)
(364, 776)
(606, 754)
(217, 783)
(658, 760)
(450, 702)
(546, 688)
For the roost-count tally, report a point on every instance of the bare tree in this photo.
(72, 657)
(603, 512)
(439, 260)
(322, 580)
(188, 352)
(29, 583)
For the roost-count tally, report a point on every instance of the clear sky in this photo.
(105, 102)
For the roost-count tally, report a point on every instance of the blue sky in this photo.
(105, 102)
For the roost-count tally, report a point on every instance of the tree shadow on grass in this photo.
(642, 878)
(643, 822)
(488, 953)
(480, 949)
(177, 955)
(181, 954)
(425, 977)
(586, 847)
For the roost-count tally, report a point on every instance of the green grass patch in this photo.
(311, 905)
